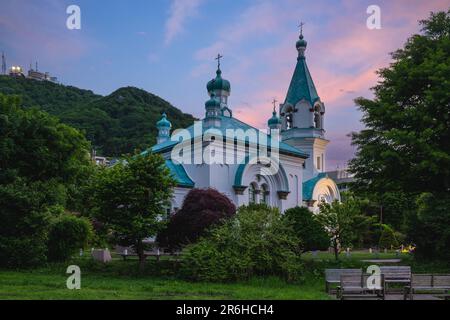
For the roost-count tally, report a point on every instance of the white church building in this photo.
(294, 142)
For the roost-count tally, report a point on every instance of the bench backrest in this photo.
(422, 280)
(351, 281)
(335, 274)
(396, 272)
(441, 280)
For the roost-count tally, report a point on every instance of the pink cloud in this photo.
(180, 12)
(343, 57)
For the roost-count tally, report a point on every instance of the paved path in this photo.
(416, 297)
(400, 297)
(382, 260)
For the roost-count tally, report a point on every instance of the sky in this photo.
(168, 47)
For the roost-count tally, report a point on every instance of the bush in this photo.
(257, 241)
(388, 238)
(308, 229)
(202, 208)
(430, 229)
(67, 235)
(24, 224)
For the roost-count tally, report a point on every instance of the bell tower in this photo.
(302, 115)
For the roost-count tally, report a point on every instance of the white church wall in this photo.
(294, 172)
(178, 197)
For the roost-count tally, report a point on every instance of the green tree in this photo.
(42, 162)
(430, 229)
(130, 199)
(404, 150)
(343, 221)
(388, 237)
(311, 233)
(404, 147)
(68, 234)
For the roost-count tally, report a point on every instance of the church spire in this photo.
(302, 85)
(302, 108)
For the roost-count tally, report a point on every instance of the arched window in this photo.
(288, 114)
(252, 193)
(317, 117)
(289, 121)
(265, 194)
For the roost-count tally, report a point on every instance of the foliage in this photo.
(67, 235)
(256, 241)
(115, 124)
(388, 238)
(430, 229)
(130, 197)
(404, 147)
(343, 221)
(404, 150)
(313, 236)
(41, 163)
(24, 224)
(202, 208)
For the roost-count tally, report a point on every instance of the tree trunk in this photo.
(336, 251)
(140, 253)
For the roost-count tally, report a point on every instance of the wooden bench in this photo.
(156, 253)
(333, 276)
(354, 287)
(396, 274)
(438, 283)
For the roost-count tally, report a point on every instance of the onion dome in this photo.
(163, 123)
(218, 83)
(274, 121)
(301, 43)
(212, 102)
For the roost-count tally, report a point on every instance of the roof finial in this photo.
(301, 29)
(219, 56)
(274, 102)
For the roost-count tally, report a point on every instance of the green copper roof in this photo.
(308, 186)
(212, 102)
(231, 123)
(302, 85)
(218, 83)
(177, 171)
(163, 123)
(301, 42)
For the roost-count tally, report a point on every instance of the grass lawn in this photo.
(40, 284)
(121, 280)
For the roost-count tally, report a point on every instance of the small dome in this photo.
(163, 123)
(212, 102)
(274, 120)
(301, 43)
(218, 83)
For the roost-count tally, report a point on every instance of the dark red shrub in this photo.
(202, 208)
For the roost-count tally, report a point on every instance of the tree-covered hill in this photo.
(115, 124)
